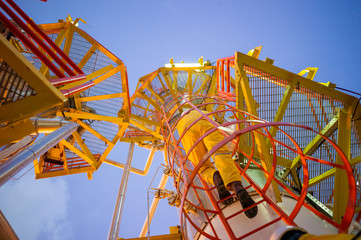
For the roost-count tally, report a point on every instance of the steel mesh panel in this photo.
(267, 95)
(157, 86)
(306, 107)
(140, 107)
(198, 80)
(149, 94)
(107, 107)
(12, 86)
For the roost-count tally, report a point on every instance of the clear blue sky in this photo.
(145, 35)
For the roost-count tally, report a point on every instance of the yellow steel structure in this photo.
(274, 94)
(107, 74)
(255, 86)
(14, 115)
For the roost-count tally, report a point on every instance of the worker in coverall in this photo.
(226, 176)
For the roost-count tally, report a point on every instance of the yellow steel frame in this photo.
(172, 236)
(16, 114)
(251, 107)
(66, 31)
(47, 96)
(342, 120)
(170, 85)
(344, 142)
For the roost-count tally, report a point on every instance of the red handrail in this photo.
(34, 32)
(186, 174)
(30, 45)
(224, 74)
(44, 36)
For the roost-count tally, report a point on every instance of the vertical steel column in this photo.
(340, 203)
(153, 207)
(6, 231)
(20, 160)
(114, 228)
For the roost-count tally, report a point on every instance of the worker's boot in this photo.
(245, 199)
(222, 191)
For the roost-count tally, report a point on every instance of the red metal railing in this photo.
(33, 31)
(43, 47)
(224, 65)
(185, 174)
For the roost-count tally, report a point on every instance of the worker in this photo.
(226, 176)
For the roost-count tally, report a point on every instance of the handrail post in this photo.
(115, 225)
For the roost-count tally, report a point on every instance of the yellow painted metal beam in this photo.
(189, 82)
(146, 80)
(344, 142)
(120, 133)
(355, 160)
(281, 109)
(36, 166)
(175, 79)
(193, 82)
(50, 27)
(159, 98)
(85, 149)
(148, 109)
(206, 81)
(100, 47)
(174, 236)
(79, 153)
(139, 139)
(292, 77)
(44, 70)
(99, 72)
(240, 106)
(255, 52)
(151, 101)
(143, 172)
(331, 172)
(313, 145)
(69, 39)
(77, 101)
(88, 77)
(46, 96)
(196, 68)
(108, 74)
(156, 134)
(251, 108)
(145, 120)
(356, 111)
(63, 157)
(88, 55)
(15, 131)
(141, 107)
(311, 72)
(95, 133)
(85, 115)
(126, 100)
(102, 97)
(284, 162)
(167, 79)
(64, 172)
(322, 177)
(161, 82)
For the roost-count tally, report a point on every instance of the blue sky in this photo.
(145, 35)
